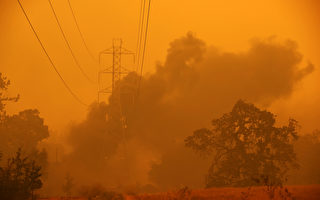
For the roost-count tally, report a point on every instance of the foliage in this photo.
(4, 84)
(19, 178)
(246, 147)
(25, 129)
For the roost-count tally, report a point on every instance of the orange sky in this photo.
(227, 24)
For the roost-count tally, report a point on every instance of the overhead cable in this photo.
(68, 45)
(79, 30)
(49, 58)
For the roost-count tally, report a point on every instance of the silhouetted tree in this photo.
(246, 147)
(4, 84)
(19, 178)
(25, 129)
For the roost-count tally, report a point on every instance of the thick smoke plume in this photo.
(195, 84)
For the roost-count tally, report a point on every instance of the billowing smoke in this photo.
(140, 141)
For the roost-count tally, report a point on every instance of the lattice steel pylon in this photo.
(116, 70)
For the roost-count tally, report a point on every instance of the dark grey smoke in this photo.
(195, 84)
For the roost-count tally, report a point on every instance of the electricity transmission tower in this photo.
(116, 70)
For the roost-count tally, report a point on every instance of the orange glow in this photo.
(263, 38)
(229, 25)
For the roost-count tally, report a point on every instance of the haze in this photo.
(201, 57)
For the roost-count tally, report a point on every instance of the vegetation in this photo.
(25, 129)
(4, 84)
(19, 178)
(247, 148)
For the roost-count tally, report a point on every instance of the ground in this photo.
(310, 192)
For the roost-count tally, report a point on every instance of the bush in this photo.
(19, 178)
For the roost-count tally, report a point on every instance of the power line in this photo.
(79, 30)
(140, 39)
(139, 33)
(145, 43)
(49, 58)
(68, 44)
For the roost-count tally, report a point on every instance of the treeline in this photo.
(22, 165)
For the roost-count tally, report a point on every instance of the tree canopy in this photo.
(247, 148)
(21, 175)
(23, 130)
(19, 178)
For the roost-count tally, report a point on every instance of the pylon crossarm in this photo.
(117, 71)
(126, 51)
(107, 51)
